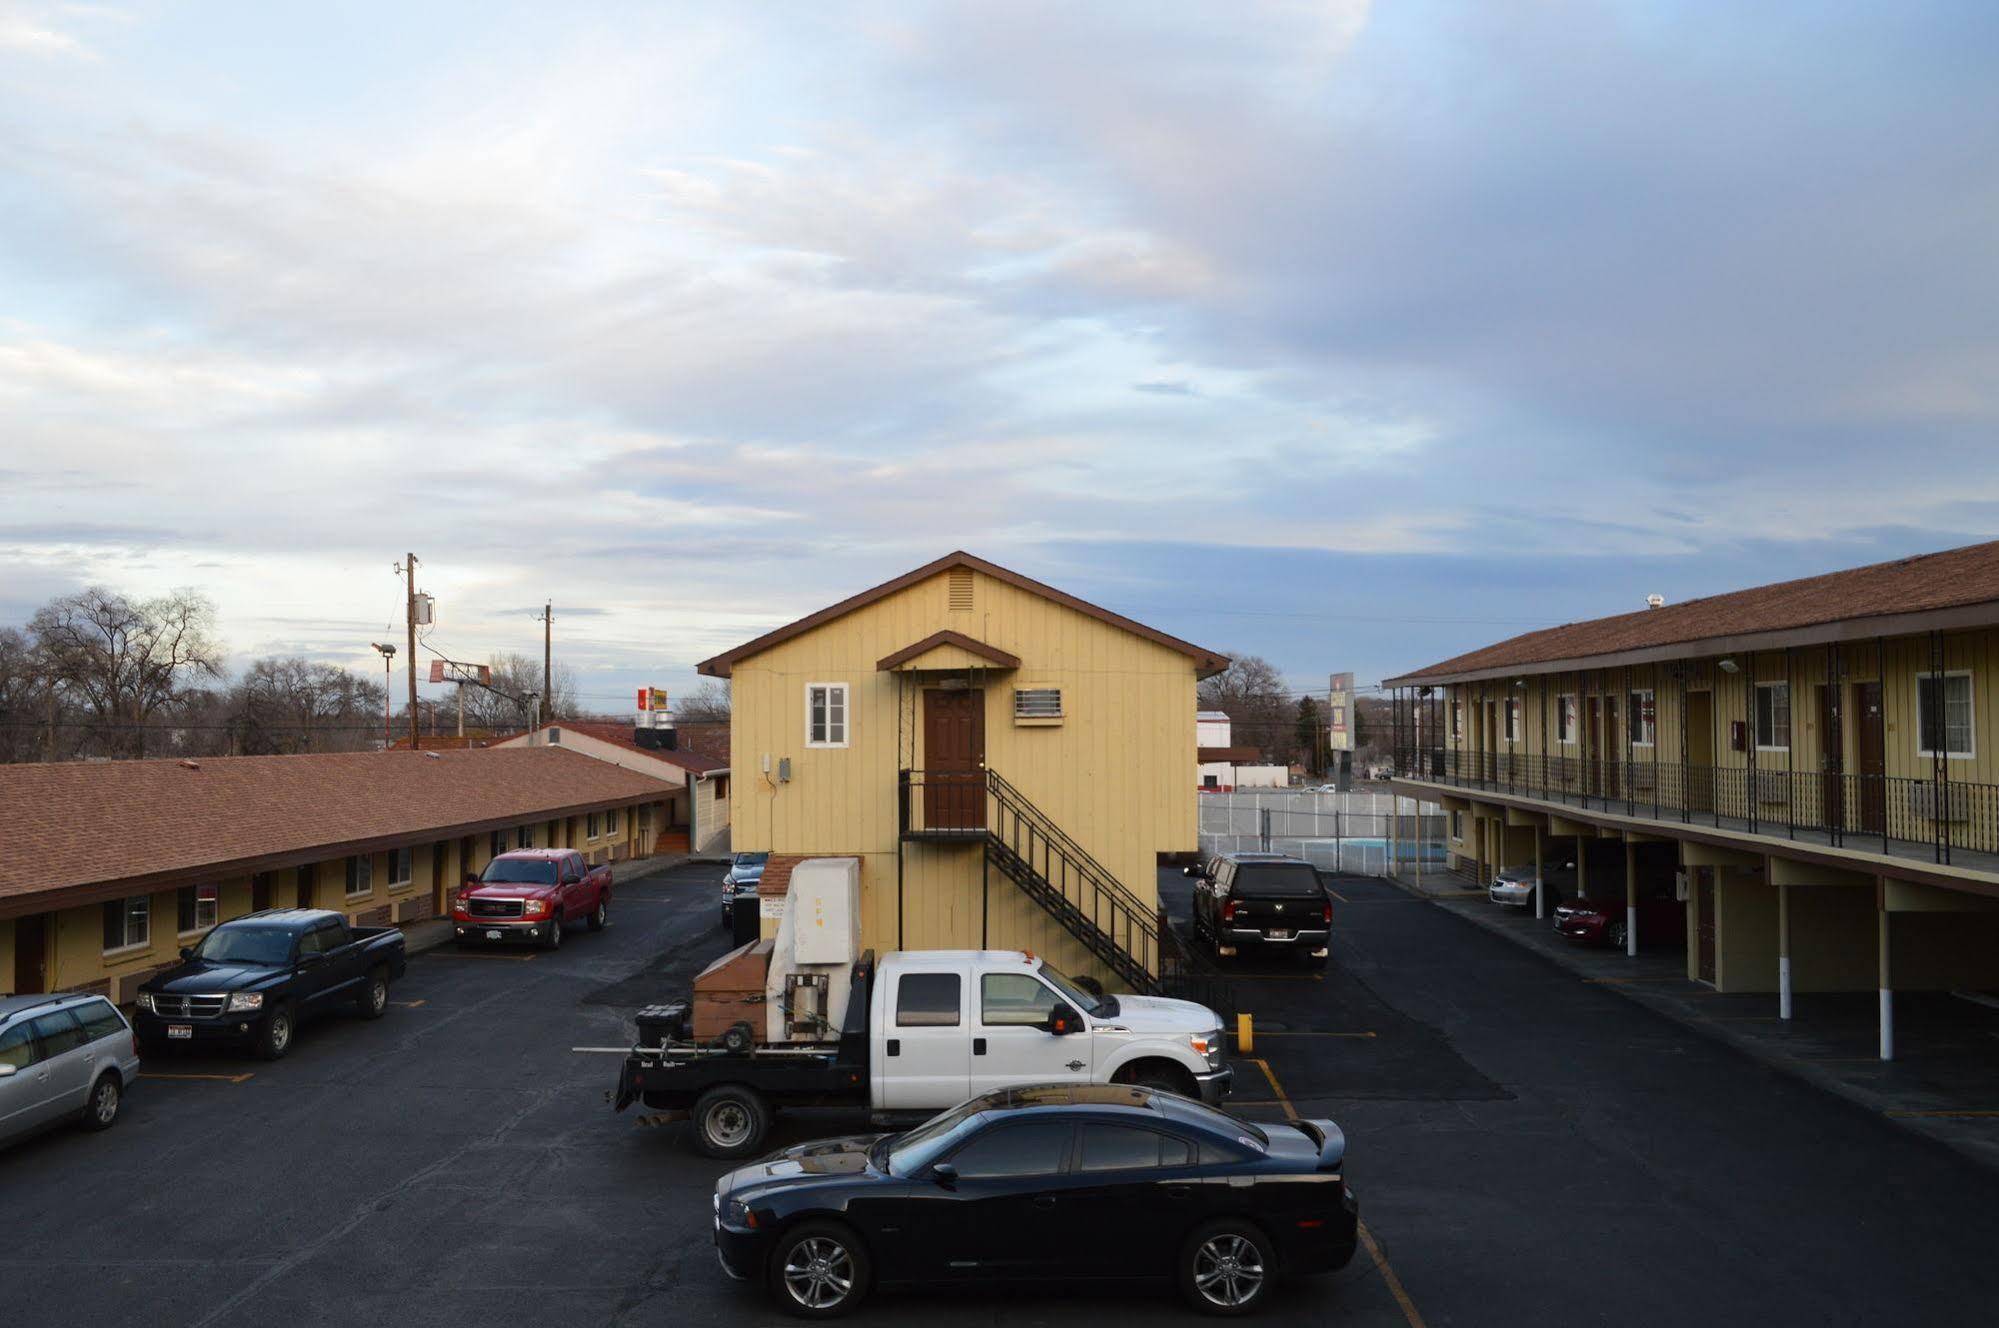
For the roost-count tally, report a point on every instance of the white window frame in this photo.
(1568, 710)
(611, 823)
(364, 873)
(1512, 713)
(1458, 826)
(145, 940)
(1756, 719)
(1970, 753)
(1457, 723)
(398, 878)
(523, 836)
(846, 708)
(214, 903)
(1636, 719)
(593, 827)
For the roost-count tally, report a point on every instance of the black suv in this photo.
(1262, 901)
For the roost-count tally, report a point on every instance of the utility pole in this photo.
(547, 656)
(408, 569)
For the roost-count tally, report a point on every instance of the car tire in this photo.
(1226, 1268)
(554, 941)
(100, 1109)
(729, 1121)
(275, 1036)
(819, 1270)
(600, 916)
(373, 1000)
(1162, 1080)
(1615, 935)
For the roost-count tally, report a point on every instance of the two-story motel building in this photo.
(1812, 766)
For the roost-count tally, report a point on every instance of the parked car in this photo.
(1245, 901)
(1603, 921)
(531, 895)
(1514, 886)
(930, 1028)
(739, 883)
(254, 979)
(1060, 1181)
(63, 1058)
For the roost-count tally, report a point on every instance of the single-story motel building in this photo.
(697, 808)
(1803, 776)
(111, 867)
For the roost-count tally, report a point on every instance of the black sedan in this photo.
(1063, 1182)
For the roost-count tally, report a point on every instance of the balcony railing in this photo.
(1834, 807)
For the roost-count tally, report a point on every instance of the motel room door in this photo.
(1873, 761)
(1833, 760)
(31, 954)
(954, 758)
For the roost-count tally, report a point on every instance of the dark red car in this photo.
(531, 895)
(1662, 919)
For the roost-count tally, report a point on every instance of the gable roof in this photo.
(1206, 662)
(970, 645)
(77, 829)
(1931, 591)
(620, 735)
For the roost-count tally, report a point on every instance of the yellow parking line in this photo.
(1308, 1033)
(223, 1078)
(1337, 895)
(447, 952)
(408, 1005)
(1381, 1264)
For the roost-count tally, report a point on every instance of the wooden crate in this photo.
(730, 990)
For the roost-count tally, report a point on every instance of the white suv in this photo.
(62, 1058)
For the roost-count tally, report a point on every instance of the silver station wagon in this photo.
(67, 1058)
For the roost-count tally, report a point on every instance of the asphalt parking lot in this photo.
(1526, 1149)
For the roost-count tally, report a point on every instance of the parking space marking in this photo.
(410, 1005)
(224, 1078)
(1381, 1264)
(1304, 1032)
(447, 952)
(1966, 1112)
(1337, 895)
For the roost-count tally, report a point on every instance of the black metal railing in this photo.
(1127, 935)
(1841, 808)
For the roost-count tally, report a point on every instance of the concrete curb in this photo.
(1984, 1151)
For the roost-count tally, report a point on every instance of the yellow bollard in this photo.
(1245, 1035)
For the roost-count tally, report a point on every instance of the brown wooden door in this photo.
(1593, 748)
(31, 954)
(1613, 750)
(305, 884)
(1832, 763)
(1704, 893)
(260, 892)
(1871, 764)
(954, 759)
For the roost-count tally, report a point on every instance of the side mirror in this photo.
(471, 880)
(1191, 873)
(6, 1071)
(187, 952)
(1063, 1020)
(944, 1174)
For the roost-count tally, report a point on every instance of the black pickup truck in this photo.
(1262, 901)
(254, 979)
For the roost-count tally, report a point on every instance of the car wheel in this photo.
(1616, 935)
(730, 1121)
(554, 941)
(600, 916)
(100, 1109)
(1226, 1268)
(275, 1038)
(373, 1001)
(1162, 1080)
(819, 1271)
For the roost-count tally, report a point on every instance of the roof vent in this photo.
(435, 756)
(1655, 601)
(960, 590)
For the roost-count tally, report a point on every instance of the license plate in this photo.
(492, 936)
(180, 1030)
(1279, 933)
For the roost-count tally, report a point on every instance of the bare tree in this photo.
(124, 661)
(1251, 693)
(709, 701)
(503, 708)
(289, 704)
(27, 702)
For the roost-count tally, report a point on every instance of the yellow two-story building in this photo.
(1811, 769)
(1007, 762)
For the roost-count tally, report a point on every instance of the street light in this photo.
(388, 659)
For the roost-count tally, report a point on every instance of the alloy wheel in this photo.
(1228, 1270)
(281, 1032)
(104, 1104)
(819, 1273)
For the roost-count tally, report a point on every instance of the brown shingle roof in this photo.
(620, 735)
(1862, 597)
(86, 824)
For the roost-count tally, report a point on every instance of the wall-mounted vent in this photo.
(1037, 703)
(960, 589)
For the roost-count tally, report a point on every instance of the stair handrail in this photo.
(1108, 882)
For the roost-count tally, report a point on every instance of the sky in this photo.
(1351, 335)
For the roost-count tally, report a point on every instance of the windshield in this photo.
(519, 871)
(910, 1153)
(1287, 879)
(270, 946)
(1074, 994)
(751, 859)
(1517, 874)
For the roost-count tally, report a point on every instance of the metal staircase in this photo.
(1126, 935)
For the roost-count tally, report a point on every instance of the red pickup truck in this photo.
(531, 895)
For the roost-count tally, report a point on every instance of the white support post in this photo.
(1887, 989)
(1783, 952)
(1540, 887)
(1630, 899)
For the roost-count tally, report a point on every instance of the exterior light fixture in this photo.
(1728, 666)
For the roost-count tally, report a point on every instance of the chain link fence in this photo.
(1350, 833)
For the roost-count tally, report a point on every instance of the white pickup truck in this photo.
(925, 1031)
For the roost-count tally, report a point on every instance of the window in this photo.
(1030, 1148)
(17, 1048)
(1457, 723)
(1122, 1148)
(1773, 716)
(497, 843)
(127, 923)
(402, 866)
(1457, 825)
(1954, 715)
(1565, 719)
(360, 875)
(1512, 711)
(1644, 718)
(313, 942)
(611, 823)
(58, 1032)
(1037, 703)
(927, 1000)
(592, 827)
(197, 905)
(100, 1021)
(524, 837)
(826, 714)
(1009, 999)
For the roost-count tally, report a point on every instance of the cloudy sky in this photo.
(1352, 335)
